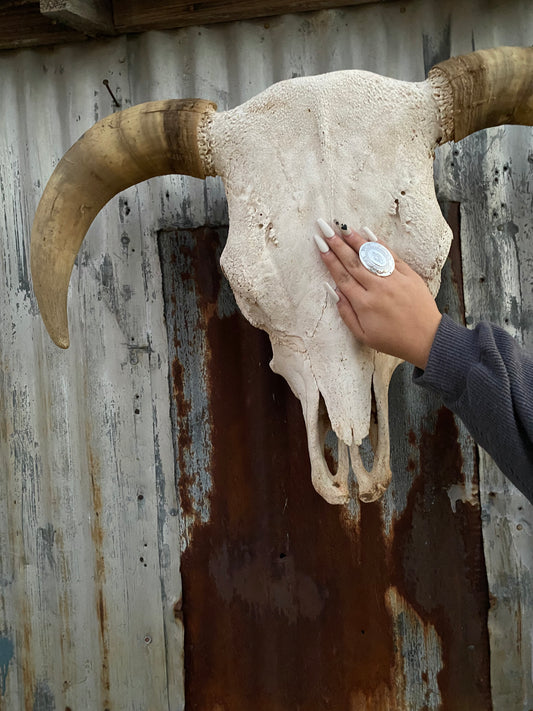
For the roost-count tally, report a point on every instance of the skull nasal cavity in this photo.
(328, 439)
(368, 446)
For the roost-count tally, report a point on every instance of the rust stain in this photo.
(97, 534)
(297, 612)
(183, 407)
(187, 272)
(438, 565)
(178, 610)
(283, 603)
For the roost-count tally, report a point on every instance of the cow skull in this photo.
(348, 144)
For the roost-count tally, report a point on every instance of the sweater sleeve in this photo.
(486, 379)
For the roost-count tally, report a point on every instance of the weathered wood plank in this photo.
(92, 17)
(491, 174)
(136, 15)
(498, 259)
(24, 26)
(31, 23)
(93, 552)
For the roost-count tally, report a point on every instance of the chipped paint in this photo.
(459, 493)
(188, 286)
(43, 698)
(418, 656)
(7, 651)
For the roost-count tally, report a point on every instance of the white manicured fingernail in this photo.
(332, 292)
(326, 230)
(368, 232)
(322, 246)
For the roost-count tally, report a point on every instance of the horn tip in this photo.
(58, 333)
(62, 341)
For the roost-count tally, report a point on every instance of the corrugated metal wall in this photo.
(159, 453)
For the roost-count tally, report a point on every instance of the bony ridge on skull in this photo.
(279, 156)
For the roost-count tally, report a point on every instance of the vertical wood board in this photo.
(491, 173)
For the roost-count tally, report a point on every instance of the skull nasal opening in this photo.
(329, 442)
(368, 447)
(328, 439)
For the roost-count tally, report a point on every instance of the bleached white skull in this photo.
(348, 144)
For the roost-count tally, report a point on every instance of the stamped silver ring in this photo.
(376, 258)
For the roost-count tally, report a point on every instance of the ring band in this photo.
(376, 258)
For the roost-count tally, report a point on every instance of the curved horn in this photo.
(489, 87)
(155, 138)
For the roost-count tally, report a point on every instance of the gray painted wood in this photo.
(491, 174)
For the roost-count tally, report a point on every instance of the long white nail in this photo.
(326, 230)
(371, 236)
(332, 292)
(322, 246)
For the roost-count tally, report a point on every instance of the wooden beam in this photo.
(32, 23)
(24, 26)
(138, 15)
(92, 17)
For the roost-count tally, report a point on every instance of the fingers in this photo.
(340, 257)
(340, 254)
(345, 270)
(346, 248)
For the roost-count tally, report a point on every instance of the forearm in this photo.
(487, 380)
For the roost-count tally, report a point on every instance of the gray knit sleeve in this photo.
(486, 379)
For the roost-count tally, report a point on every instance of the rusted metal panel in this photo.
(287, 602)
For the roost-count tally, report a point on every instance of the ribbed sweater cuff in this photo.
(455, 349)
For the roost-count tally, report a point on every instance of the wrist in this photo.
(425, 342)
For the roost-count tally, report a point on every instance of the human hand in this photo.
(395, 314)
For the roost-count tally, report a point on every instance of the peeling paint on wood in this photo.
(493, 176)
(6, 655)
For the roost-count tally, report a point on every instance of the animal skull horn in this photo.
(490, 87)
(155, 138)
(349, 144)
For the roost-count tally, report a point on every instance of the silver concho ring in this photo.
(376, 258)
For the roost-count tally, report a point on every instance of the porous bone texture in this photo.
(349, 145)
